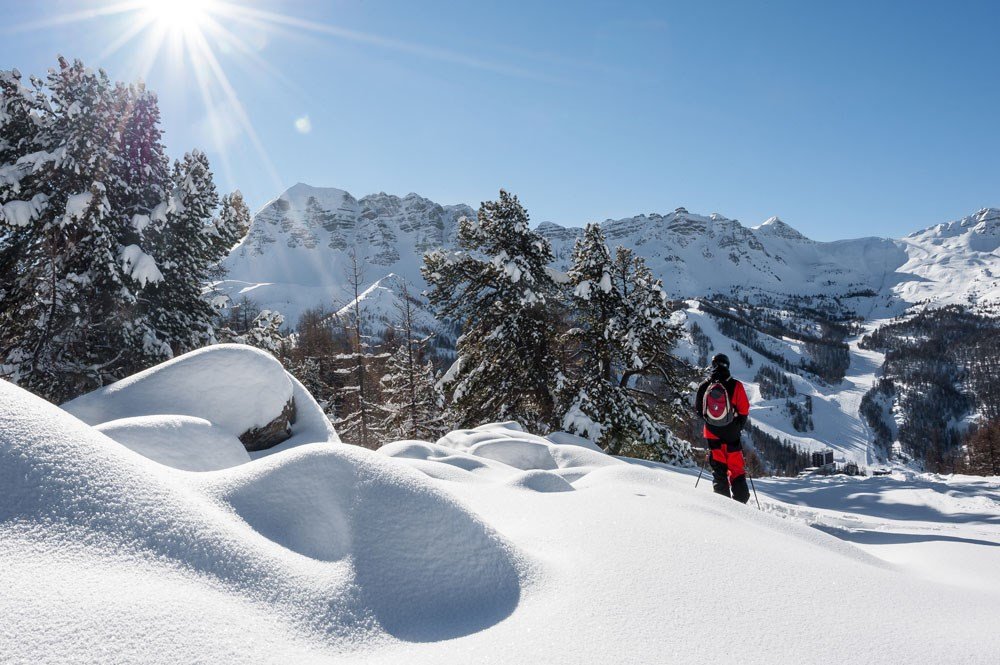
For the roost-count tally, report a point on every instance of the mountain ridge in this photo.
(299, 243)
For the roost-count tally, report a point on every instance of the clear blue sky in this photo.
(844, 118)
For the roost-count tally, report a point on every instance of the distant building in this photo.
(822, 458)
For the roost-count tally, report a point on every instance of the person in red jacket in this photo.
(725, 414)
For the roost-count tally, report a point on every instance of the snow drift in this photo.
(490, 545)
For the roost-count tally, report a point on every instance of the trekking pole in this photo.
(701, 470)
(754, 491)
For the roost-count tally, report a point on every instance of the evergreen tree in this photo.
(103, 252)
(497, 288)
(264, 332)
(623, 340)
(66, 324)
(187, 245)
(412, 401)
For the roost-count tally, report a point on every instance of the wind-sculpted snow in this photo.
(490, 545)
(235, 387)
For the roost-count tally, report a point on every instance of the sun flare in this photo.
(178, 15)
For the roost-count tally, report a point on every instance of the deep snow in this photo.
(490, 545)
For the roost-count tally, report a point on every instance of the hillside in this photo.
(489, 545)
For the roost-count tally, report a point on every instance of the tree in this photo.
(71, 255)
(412, 401)
(185, 242)
(264, 332)
(623, 338)
(497, 287)
(983, 450)
(357, 405)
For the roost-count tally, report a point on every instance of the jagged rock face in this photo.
(298, 249)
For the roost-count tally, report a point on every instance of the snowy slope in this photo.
(490, 545)
(837, 422)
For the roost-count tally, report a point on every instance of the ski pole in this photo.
(701, 470)
(754, 491)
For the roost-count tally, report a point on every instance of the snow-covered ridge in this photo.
(299, 244)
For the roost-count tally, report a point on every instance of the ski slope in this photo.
(489, 545)
(837, 422)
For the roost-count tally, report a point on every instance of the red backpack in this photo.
(716, 408)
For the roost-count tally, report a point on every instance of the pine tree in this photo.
(263, 332)
(187, 245)
(93, 224)
(497, 287)
(76, 276)
(623, 340)
(412, 401)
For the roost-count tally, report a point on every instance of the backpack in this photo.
(716, 408)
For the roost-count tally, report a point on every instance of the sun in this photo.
(178, 15)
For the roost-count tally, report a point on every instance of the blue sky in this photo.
(843, 118)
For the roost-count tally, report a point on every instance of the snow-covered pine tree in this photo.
(624, 370)
(187, 248)
(498, 288)
(263, 332)
(411, 400)
(65, 318)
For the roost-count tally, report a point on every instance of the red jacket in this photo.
(737, 397)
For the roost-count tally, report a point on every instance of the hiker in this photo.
(722, 402)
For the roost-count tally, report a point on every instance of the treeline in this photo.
(827, 356)
(941, 367)
(105, 246)
(782, 458)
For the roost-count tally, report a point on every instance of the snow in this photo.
(490, 545)
(140, 266)
(181, 442)
(236, 388)
(22, 213)
(77, 205)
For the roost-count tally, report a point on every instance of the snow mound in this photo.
(338, 541)
(181, 442)
(427, 566)
(507, 444)
(233, 386)
(540, 481)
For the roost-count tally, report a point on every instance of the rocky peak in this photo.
(776, 228)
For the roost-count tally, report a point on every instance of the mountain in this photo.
(779, 303)
(298, 247)
(299, 244)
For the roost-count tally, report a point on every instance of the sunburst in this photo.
(188, 36)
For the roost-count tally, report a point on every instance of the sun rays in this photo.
(197, 40)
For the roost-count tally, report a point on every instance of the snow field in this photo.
(491, 545)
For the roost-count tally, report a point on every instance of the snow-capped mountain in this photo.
(299, 245)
